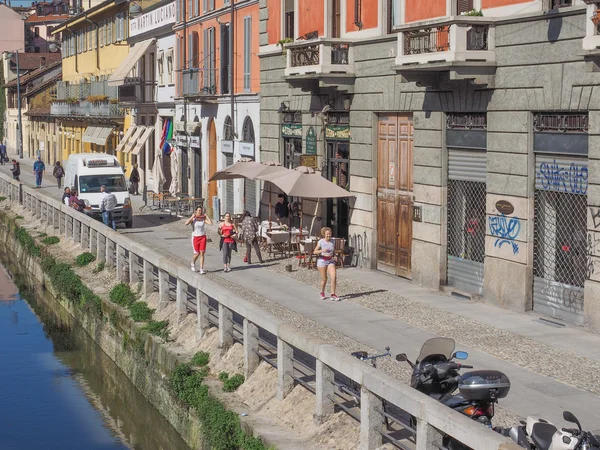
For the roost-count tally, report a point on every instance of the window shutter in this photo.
(247, 51)
(464, 6)
(204, 5)
(212, 5)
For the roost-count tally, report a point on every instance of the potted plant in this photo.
(473, 13)
(282, 43)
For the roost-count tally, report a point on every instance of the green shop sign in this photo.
(337, 132)
(291, 130)
(311, 141)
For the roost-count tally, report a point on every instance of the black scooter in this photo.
(435, 374)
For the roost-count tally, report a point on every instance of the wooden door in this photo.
(394, 194)
(212, 165)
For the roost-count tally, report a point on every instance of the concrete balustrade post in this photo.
(148, 276)
(427, 436)
(134, 267)
(371, 420)
(181, 299)
(325, 390)
(76, 231)
(67, 224)
(251, 359)
(61, 223)
(202, 312)
(225, 328)
(100, 247)
(85, 236)
(110, 257)
(163, 288)
(121, 264)
(285, 369)
(93, 241)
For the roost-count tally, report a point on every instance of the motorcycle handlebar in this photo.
(464, 366)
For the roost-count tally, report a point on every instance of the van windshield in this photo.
(92, 183)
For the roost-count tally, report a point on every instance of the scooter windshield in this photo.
(437, 346)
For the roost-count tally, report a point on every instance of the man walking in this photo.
(108, 202)
(3, 157)
(38, 169)
(134, 179)
(16, 169)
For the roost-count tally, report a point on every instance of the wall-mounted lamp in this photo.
(283, 107)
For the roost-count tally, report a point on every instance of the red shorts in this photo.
(199, 243)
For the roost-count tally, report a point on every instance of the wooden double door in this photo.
(394, 193)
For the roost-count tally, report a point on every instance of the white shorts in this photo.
(325, 262)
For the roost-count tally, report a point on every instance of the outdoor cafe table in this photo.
(282, 240)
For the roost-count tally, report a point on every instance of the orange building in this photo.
(217, 92)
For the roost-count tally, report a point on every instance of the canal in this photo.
(59, 390)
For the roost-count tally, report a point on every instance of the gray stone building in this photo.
(472, 145)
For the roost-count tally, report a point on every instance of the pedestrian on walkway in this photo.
(38, 169)
(326, 262)
(16, 170)
(58, 173)
(108, 202)
(134, 179)
(3, 157)
(249, 233)
(282, 210)
(198, 220)
(227, 231)
(75, 202)
(66, 196)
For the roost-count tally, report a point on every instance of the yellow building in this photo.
(94, 44)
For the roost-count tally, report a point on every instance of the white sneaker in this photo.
(193, 267)
(202, 272)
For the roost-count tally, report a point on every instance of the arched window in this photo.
(228, 129)
(248, 130)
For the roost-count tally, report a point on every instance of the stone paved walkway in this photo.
(551, 369)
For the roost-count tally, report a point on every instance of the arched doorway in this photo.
(212, 166)
(249, 152)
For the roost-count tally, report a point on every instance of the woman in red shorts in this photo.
(198, 220)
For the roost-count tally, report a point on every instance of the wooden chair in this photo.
(306, 255)
(339, 245)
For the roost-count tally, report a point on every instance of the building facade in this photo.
(13, 30)
(472, 162)
(218, 109)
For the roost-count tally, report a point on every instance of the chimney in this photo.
(43, 61)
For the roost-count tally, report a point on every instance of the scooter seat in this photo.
(542, 434)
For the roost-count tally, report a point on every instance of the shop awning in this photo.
(141, 141)
(129, 146)
(135, 53)
(125, 138)
(97, 134)
(88, 135)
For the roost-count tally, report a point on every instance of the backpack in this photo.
(60, 172)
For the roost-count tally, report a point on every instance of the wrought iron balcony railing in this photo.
(320, 57)
(86, 109)
(136, 90)
(199, 82)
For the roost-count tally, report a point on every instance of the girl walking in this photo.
(198, 221)
(326, 262)
(58, 173)
(227, 230)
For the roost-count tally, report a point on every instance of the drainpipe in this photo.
(231, 62)
(185, 63)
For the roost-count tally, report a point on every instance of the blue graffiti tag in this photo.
(506, 230)
(572, 179)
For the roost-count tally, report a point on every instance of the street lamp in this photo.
(20, 123)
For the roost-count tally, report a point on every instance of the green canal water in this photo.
(59, 390)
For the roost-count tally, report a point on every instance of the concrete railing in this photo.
(135, 263)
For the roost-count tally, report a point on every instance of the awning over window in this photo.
(141, 141)
(125, 138)
(97, 134)
(131, 143)
(135, 53)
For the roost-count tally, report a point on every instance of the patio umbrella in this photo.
(158, 174)
(305, 182)
(174, 188)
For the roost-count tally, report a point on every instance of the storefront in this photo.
(560, 221)
(466, 201)
(291, 133)
(337, 143)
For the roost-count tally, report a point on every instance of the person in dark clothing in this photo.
(75, 202)
(3, 157)
(67, 196)
(282, 209)
(134, 179)
(38, 169)
(250, 235)
(16, 169)
(58, 173)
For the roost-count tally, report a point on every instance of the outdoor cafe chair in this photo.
(339, 244)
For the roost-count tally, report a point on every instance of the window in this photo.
(120, 26)
(90, 38)
(224, 69)
(101, 33)
(36, 49)
(161, 68)
(36, 31)
(49, 30)
(190, 8)
(247, 52)
(180, 10)
(111, 38)
(464, 6)
(193, 47)
(170, 66)
(209, 61)
(289, 19)
(204, 5)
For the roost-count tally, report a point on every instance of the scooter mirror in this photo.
(401, 357)
(570, 417)
(460, 355)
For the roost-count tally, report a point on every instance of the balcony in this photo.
(136, 91)
(86, 109)
(328, 61)
(463, 46)
(199, 83)
(591, 41)
(81, 91)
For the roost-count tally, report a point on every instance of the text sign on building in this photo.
(308, 161)
(311, 141)
(291, 130)
(247, 149)
(227, 147)
(152, 20)
(195, 141)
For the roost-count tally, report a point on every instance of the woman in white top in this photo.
(198, 220)
(326, 262)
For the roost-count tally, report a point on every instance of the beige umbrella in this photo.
(174, 188)
(305, 182)
(158, 174)
(244, 168)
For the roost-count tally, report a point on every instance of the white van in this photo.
(86, 172)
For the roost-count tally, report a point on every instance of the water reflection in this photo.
(59, 390)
